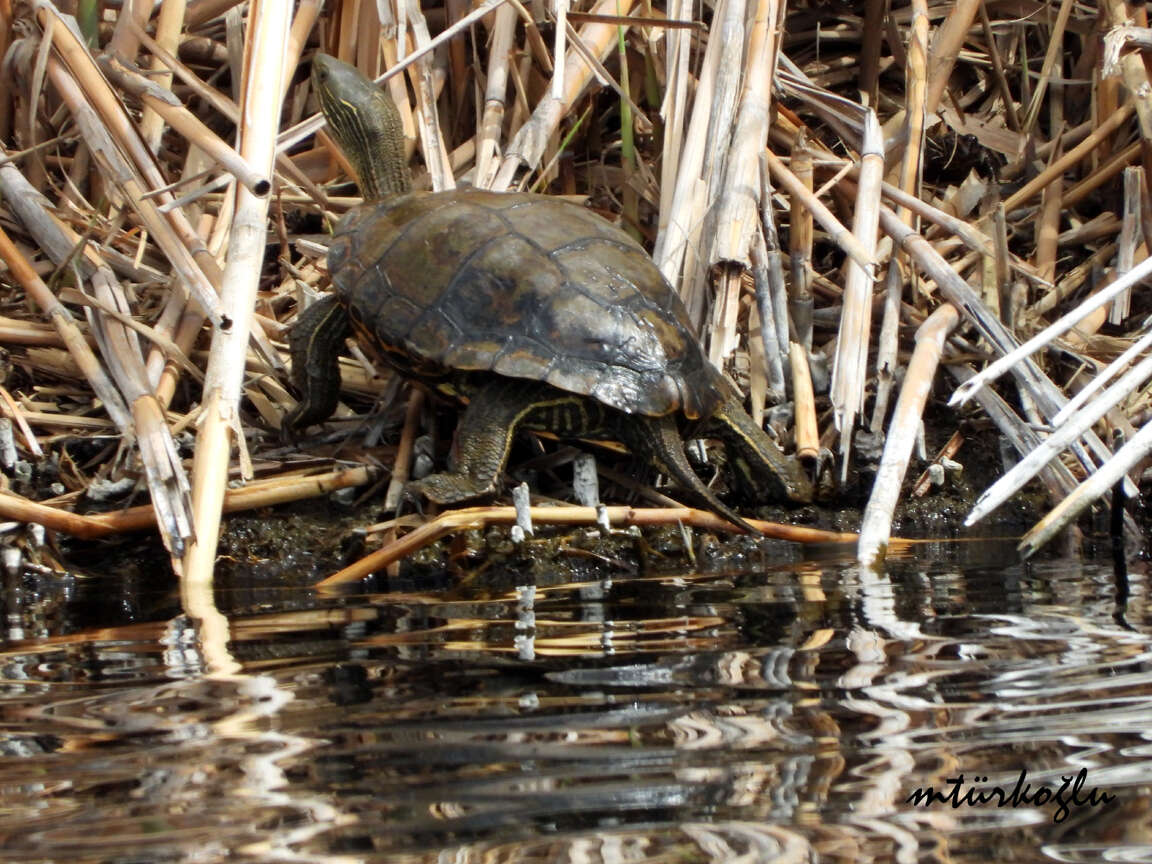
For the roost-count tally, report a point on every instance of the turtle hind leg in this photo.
(314, 344)
(483, 440)
(752, 449)
(658, 440)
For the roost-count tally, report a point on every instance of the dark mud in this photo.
(297, 545)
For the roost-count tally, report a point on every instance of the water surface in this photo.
(772, 711)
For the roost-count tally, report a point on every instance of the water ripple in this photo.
(790, 713)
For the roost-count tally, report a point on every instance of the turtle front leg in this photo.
(314, 342)
(483, 440)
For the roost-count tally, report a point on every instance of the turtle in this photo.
(533, 312)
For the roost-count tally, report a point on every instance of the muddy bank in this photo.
(265, 552)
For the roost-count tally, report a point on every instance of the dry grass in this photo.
(153, 219)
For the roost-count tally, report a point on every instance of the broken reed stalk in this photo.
(916, 77)
(163, 470)
(263, 79)
(736, 210)
(171, 231)
(1133, 72)
(953, 288)
(35, 213)
(529, 142)
(776, 285)
(839, 235)
(850, 366)
(799, 242)
(1071, 281)
(47, 420)
(1007, 103)
(807, 431)
(994, 267)
(1103, 174)
(71, 335)
(945, 49)
(202, 11)
(11, 410)
(185, 320)
(679, 225)
(1057, 169)
(227, 108)
(172, 111)
(472, 518)
(967, 233)
(1102, 481)
(1055, 52)
(6, 33)
(1048, 226)
(1126, 247)
(503, 29)
(876, 524)
(145, 425)
(14, 331)
(402, 464)
(303, 22)
(673, 109)
(1062, 437)
(1136, 349)
(604, 76)
(759, 368)
(559, 45)
(887, 344)
(428, 117)
(768, 278)
(168, 24)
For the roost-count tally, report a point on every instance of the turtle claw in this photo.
(291, 431)
(410, 500)
(447, 489)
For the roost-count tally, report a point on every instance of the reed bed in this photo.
(867, 207)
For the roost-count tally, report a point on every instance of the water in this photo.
(782, 712)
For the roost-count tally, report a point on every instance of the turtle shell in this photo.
(525, 286)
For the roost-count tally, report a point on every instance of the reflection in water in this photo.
(785, 713)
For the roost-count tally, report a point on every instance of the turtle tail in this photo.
(658, 440)
(314, 344)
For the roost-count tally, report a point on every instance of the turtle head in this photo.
(366, 126)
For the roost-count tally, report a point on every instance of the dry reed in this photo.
(1009, 184)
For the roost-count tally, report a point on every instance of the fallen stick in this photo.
(480, 517)
(1073, 156)
(261, 493)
